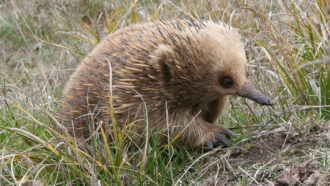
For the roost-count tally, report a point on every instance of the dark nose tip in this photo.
(269, 102)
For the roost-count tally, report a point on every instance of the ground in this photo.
(281, 157)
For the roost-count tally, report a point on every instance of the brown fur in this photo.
(178, 64)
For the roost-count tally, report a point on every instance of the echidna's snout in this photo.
(248, 91)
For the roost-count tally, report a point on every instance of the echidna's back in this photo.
(86, 94)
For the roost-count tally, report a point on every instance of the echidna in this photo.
(179, 72)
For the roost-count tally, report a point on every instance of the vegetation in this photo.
(287, 45)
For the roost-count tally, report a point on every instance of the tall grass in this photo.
(307, 40)
(43, 41)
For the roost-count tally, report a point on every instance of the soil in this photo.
(279, 159)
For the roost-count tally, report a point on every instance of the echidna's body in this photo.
(183, 71)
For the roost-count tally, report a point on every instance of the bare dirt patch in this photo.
(279, 159)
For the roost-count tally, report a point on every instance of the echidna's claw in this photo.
(209, 144)
(229, 133)
(222, 138)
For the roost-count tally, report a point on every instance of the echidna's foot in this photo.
(220, 138)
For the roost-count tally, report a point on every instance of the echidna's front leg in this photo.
(204, 130)
(214, 109)
(202, 133)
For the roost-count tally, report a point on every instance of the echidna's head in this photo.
(204, 64)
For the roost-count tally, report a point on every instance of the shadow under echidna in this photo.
(183, 71)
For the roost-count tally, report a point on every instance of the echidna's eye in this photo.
(227, 82)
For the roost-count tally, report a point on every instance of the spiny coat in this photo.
(180, 73)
